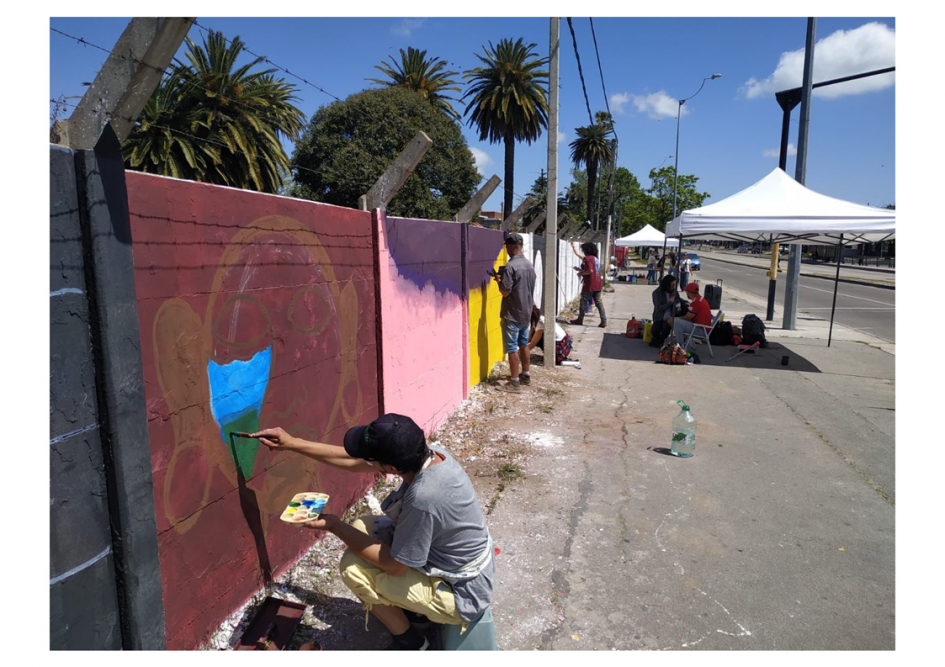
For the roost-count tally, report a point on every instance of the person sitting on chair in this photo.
(431, 553)
(664, 301)
(699, 313)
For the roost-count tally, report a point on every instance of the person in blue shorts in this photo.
(517, 285)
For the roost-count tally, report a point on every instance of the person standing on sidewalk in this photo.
(651, 269)
(685, 269)
(517, 286)
(593, 284)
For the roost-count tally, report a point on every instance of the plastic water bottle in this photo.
(684, 432)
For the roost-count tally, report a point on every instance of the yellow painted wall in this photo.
(485, 329)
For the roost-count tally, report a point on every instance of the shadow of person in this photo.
(250, 507)
(344, 619)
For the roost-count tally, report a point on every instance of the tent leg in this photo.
(836, 283)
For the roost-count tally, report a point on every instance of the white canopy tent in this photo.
(778, 209)
(648, 237)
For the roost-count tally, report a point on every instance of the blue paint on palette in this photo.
(238, 387)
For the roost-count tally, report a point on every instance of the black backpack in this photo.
(753, 331)
(722, 334)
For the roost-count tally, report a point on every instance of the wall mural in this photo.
(485, 251)
(422, 293)
(247, 321)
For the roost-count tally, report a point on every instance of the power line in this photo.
(601, 69)
(590, 116)
(269, 62)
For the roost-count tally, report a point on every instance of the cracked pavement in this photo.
(777, 535)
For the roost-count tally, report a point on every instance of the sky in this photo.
(729, 132)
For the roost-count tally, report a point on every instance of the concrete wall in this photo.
(255, 311)
(83, 597)
(420, 272)
(484, 251)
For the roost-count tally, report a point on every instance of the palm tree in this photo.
(508, 100)
(212, 122)
(592, 148)
(421, 74)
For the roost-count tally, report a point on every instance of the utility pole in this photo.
(792, 286)
(550, 290)
(610, 208)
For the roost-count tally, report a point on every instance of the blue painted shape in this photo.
(238, 387)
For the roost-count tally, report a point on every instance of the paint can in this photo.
(784, 360)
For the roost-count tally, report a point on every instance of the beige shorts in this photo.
(414, 590)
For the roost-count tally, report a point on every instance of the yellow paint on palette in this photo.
(485, 328)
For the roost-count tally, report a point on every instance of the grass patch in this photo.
(510, 471)
(547, 409)
(551, 391)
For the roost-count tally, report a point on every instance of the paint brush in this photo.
(243, 434)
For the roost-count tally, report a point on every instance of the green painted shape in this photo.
(243, 450)
(679, 437)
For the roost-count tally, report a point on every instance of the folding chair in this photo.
(703, 331)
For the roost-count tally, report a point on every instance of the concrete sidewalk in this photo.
(777, 534)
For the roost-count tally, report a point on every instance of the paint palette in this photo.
(304, 507)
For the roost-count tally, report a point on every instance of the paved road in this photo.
(871, 310)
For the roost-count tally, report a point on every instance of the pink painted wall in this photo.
(422, 322)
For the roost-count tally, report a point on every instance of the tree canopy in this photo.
(423, 75)
(348, 145)
(508, 101)
(214, 122)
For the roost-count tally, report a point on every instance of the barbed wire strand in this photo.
(182, 133)
(270, 62)
(167, 71)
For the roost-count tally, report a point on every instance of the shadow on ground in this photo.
(618, 346)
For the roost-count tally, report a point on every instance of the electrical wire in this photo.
(590, 116)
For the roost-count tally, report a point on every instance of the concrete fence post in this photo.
(472, 207)
(393, 178)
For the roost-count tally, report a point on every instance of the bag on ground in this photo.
(753, 331)
(722, 334)
(713, 294)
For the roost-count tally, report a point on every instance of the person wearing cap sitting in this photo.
(699, 313)
(517, 286)
(430, 554)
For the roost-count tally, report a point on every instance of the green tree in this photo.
(214, 122)
(508, 101)
(423, 75)
(661, 191)
(593, 148)
(349, 144)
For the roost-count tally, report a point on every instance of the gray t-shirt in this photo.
(441, 525)
(518, 279)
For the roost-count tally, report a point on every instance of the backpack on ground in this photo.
(753, 331)
(722, 334)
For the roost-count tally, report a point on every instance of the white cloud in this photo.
(481, 159)
(562, 137)
(846, 52)
(406, 27)
(776, 152)
(658, 105)
(618, 101)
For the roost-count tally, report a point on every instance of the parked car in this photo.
(744, 248)
(695, 261)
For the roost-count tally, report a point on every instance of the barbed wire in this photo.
(270, 62)
(167, 71)
(184, 134)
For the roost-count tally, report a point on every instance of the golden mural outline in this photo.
(187, 331)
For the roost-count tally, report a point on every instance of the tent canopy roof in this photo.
(649, 236)
(779, 209)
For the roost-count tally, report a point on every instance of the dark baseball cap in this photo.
(385, 439)
(514, 239)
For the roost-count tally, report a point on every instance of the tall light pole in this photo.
(676, 164)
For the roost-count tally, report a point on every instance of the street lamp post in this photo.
(676, 164)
